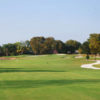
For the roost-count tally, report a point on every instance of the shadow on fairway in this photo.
(2, 70)
(41, 83)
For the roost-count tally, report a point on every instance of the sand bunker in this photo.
(5, 58)
(91, 66)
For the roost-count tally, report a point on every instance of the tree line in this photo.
(42, 45)
(91, 46)
(18, 48)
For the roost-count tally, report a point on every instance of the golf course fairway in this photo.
(49, 77)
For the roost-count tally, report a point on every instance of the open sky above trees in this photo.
(61, 19)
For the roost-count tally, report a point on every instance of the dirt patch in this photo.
(5, 58)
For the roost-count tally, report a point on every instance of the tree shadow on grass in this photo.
(2, 70)
(41, 83)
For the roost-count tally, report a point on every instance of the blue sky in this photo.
(63, 19)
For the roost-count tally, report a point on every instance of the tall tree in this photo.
(1, 51)
(85, 48)
(10, 49)
(72, 46)
(36, 44)
(94, 45)
(60, 46)
(48, 46)
(19, 47)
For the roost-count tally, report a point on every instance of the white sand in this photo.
(91, 65)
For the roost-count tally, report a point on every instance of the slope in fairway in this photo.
(51, 77)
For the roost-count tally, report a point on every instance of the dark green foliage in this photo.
(48, 46)
(94, 44)
(9, 49)
(1, 51)
(36, 43)
(17, 48)
(85, 49)
(72, 46)
(60, 46)
(42, 45)
(94, 41)
(87, 57)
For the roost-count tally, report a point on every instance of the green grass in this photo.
(50, 77)
(98, 66)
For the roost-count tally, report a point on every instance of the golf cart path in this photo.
(91, 65)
